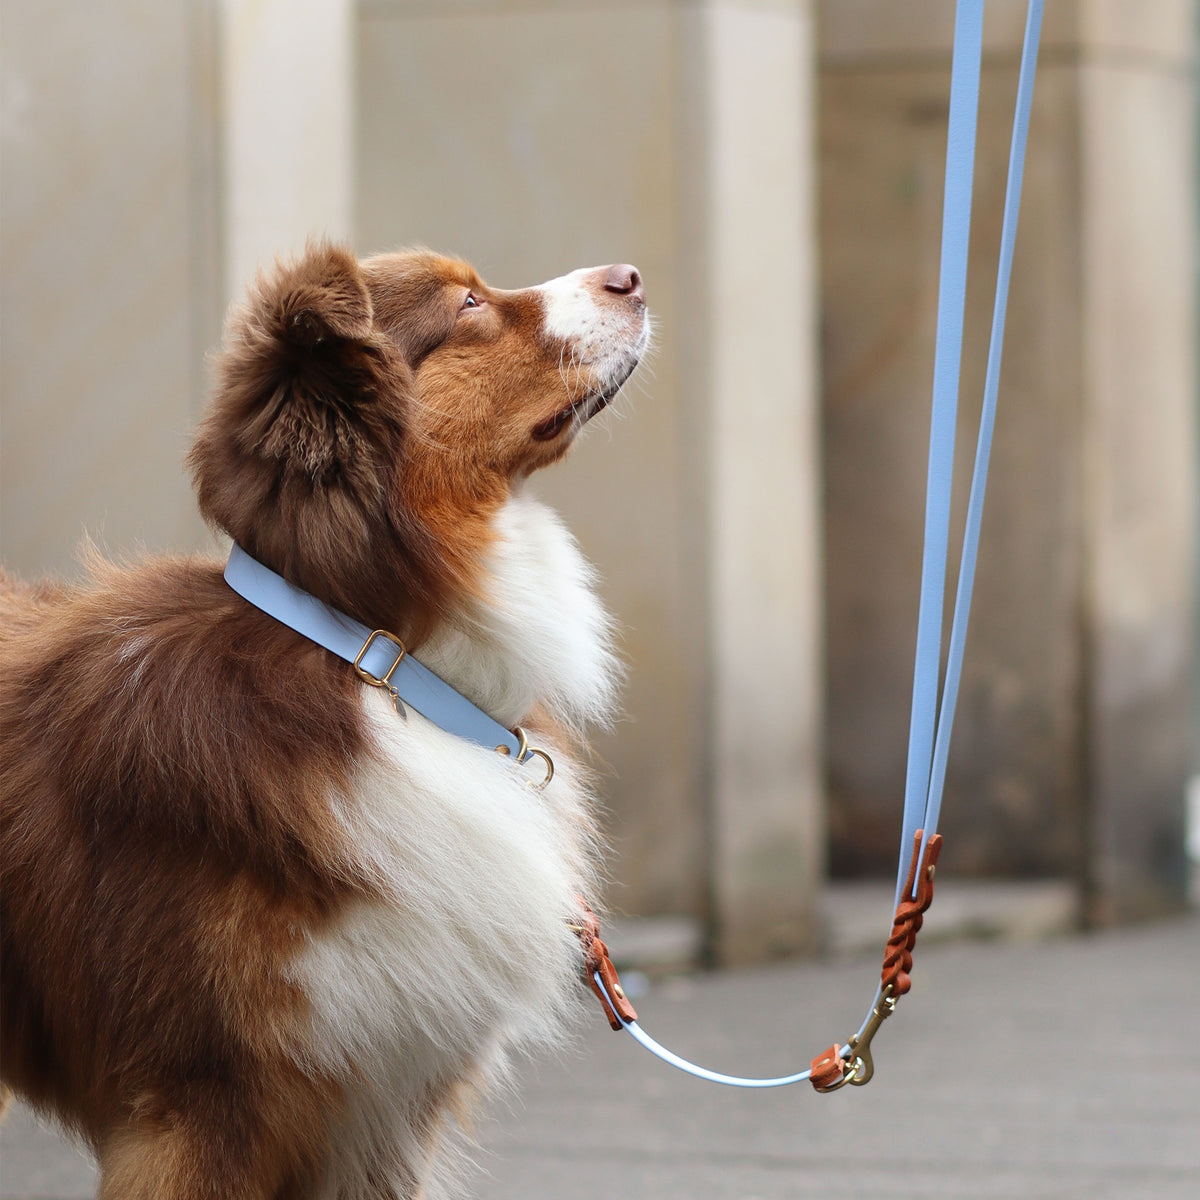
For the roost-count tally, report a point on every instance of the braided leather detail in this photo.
(897, 957)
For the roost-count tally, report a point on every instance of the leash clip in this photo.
(831, 1071)
(862, 1065)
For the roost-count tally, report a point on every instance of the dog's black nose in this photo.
(625, 280)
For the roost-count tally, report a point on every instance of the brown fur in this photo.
(167, 750)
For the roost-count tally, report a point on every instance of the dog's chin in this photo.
(573, 417)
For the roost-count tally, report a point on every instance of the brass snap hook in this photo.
(860, 1044)
(858, 1066)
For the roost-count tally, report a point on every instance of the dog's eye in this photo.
(471, 301)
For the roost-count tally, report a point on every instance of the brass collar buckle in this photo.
(384, 680)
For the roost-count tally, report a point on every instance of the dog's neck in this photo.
(541, 637)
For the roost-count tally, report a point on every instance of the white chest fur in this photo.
(467, 953)
(542, 637)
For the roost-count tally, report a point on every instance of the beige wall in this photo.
(1139, 486)
(108, 295)
(759, 473)
(154, 155)
(286, 72)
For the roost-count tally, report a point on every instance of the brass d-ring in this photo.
(525, 751)
(538, 787)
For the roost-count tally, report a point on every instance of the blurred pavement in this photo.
(1062, 1068)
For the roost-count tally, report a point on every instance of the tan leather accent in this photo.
(828, 1068)
(897, 956)
(597, 962)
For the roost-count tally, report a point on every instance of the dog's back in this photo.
(22, 604)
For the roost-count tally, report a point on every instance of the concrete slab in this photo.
(1059, 1069)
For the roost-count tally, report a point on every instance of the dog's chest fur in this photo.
(464, 951)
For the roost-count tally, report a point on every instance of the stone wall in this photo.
(109, 292)
(154, 153)
(1070, 747)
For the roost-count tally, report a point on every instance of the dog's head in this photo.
(369, 417)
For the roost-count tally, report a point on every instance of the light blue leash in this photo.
(952, 293)
(925, 780)
(987, 423)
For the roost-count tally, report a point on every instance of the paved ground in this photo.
(1065, 1069)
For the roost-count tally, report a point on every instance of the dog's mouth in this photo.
(584, 410)
(581, 411)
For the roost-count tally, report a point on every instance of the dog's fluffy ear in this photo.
(303, 374)
(307, 344)
(306, 421)
(322, 296)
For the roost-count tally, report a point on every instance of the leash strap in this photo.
(987, 422)
(952, 291)
(929, 730)
(378, 656)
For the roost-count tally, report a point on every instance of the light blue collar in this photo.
(378, 656)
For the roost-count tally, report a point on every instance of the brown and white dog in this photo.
(261, 936)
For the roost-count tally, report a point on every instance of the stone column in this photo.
(1137, 137)
(1071, 745)
(673, 135)
(287, 99)
(753, 366)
